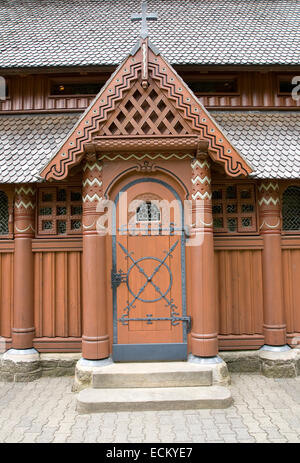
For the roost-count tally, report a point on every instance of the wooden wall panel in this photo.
(291, 288)
(256, 90)
(239, 292)
(6, 293)
(57, 294)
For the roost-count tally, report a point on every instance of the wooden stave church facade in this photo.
(56, 297)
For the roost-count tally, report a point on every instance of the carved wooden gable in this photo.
(145, 112)
(145, 104)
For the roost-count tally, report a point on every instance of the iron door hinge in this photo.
(188, 321)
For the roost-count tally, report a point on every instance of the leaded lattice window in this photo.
(291, 209)
(233, 207)
(60, 211)
(4, 214)
(147, 212)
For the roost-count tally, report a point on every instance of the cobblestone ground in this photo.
(264, 410)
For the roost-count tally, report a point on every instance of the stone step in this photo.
(147, 399)
(152, 374)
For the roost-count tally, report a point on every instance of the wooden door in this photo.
(148, 276)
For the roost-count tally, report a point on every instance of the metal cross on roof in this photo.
(144, 17)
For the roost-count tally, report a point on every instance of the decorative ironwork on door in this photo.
(120, 277)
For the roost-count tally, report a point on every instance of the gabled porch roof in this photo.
(163, 106)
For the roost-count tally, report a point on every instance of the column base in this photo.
(278, 361)
(20, 365)
(219, 368)
(84, 372)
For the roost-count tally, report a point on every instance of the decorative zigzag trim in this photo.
(198, 163)
(267, 186)
(89, 198)
(268, 201)
(92, 166)
(93, 182)
(26, 205)
(140, 158)
(199, 195)
(201, 180)
(24, 190)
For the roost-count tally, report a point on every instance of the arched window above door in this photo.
(147, 212)
(291, 209)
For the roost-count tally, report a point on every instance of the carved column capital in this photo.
(269, 206)
(25, 197)
(92, 193)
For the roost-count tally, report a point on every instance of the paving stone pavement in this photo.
(264, 410)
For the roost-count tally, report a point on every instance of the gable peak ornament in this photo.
(144, 17)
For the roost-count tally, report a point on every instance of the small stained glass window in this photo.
(75, 224)
(217, 209)
(75, 196)
(61, 210)
(61, 195)
(231, 208)
(76, 210)
(231, 192)
(218, 222)
(61, 227)
(45, 211)
(147, 212)
(47, 197)
(232, 224)
(46, 224)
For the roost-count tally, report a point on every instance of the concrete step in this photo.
(145, 399)
(152, 374)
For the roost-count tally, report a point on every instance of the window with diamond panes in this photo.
(60, 211)
(233, 207)
(291, 209)
(4, 214)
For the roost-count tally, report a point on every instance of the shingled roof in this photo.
(62, 33)
(269, 141)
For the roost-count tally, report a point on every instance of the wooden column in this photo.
(204, 335)
(23, 318)
(95, 340)
(270, 229)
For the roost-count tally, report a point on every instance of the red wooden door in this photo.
(148, 275)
